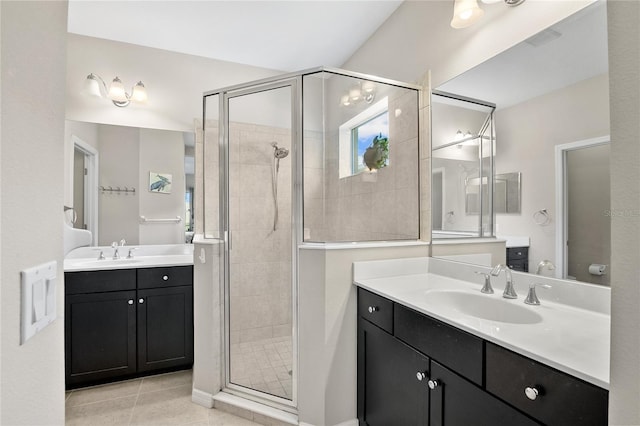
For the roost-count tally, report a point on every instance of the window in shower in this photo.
(342, 200)
(365, 136)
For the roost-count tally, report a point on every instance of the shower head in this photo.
(279, 153)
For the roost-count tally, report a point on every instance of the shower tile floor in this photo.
(264, 365)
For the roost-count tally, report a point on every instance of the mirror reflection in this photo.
(552, 126)
(132, 184)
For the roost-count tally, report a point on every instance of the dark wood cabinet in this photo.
(395, 391)
(165, 328)
(457, 402)
(114, 329)
(100, 332)
(518, 258)
(465, 380)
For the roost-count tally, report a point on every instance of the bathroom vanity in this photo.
(129, 319)
(441, 362)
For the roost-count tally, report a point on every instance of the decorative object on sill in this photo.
(467, 12)
(94, 85)
(542, 217)
(144, 219)
(363, 91)
(377, 155)
(117, 190)
(160, 182)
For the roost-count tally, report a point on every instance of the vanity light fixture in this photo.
(94, 85)
(467, 12)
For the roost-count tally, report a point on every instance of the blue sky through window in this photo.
(365, 134)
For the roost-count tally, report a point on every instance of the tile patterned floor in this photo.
(156, 400)
(264, 365)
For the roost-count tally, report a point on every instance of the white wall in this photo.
(624, 70)
(527, 134)
(175, 82)
(33, 55)
(418, 37)
(161, 152)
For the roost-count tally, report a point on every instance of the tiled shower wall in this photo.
(364, 207)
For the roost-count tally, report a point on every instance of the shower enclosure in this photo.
(283, 164)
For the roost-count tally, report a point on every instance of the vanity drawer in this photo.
(561, 400)
(83, 282)
(376, 309)
(453, 348)
(521, 265)
(171, 276)
(514, 253)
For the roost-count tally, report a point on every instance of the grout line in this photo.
(135, 404)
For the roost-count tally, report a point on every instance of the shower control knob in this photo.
(420, 376)
(373, 309)
(165, 277)
(531, 392)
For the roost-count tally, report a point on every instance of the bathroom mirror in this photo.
(551, 98)
(122, 199)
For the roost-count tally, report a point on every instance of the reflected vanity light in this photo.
(364, 91)
(94, 85)
(467, 12)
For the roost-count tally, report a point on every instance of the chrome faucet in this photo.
(532, 298)
(114, 246)
(486, 288)
(550, 266)
(509, 292)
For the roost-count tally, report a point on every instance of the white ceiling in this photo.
(282, 35)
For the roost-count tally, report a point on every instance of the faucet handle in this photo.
(486, 288)
(532, 298)
(123, 242)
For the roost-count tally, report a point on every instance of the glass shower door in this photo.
(259, 262)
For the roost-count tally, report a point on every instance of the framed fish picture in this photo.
(160, 182)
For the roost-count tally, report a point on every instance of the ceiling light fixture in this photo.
(467, 12)
(94, 85)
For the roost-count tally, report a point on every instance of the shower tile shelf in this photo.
(127, 322)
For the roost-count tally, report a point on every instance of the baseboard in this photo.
(202, 398)
(353, 422)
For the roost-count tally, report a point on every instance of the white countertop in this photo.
(568, 338)
(151, 256)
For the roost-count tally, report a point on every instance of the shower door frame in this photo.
(294, 83)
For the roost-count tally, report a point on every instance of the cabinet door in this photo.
(457, 402)
(165, 328)
(100, 336)
(392, 380)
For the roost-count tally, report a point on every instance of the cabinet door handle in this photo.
(141, 300)
(433, 384)
(130, 301)
(420, 376)
(373, 309)
(165, 277)
(532, 392)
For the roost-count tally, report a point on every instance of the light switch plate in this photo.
(38, 299)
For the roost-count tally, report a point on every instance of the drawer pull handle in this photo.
(373, 309)
(130, 301)
(140, 300)
(420, 376)
(433, 384)
(165, 277)
(531, 392)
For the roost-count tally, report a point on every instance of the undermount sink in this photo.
(490, 307)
